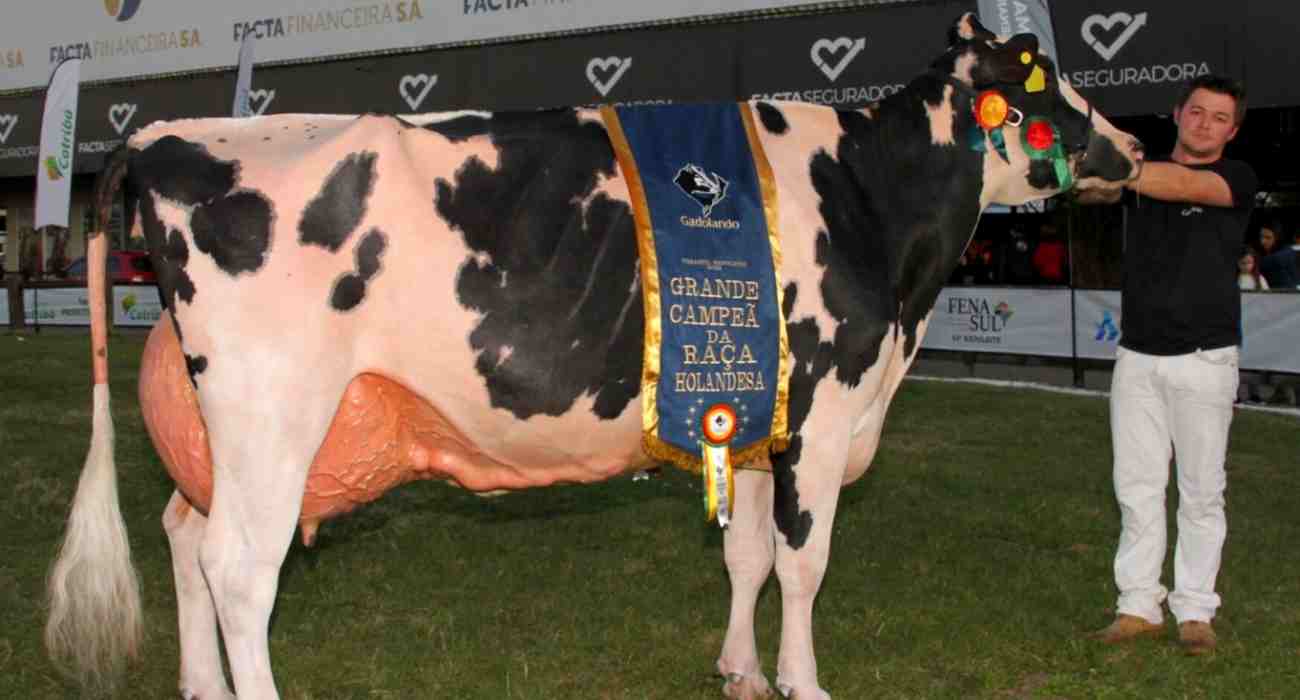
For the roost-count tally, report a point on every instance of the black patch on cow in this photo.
(795, 524)
(350, 289)
(234, 230)
(348, 292)
(811, 361)
(195, 366)
(336, 211)
(771, 118)
(181, 170)
(553, 281)
(369, 251)
(461, 128)
(174, 256)
(897, 212)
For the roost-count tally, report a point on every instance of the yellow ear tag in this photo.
(1037, 81)
(991, 109)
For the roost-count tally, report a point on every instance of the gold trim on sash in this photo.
(645, 241)
(780, 417)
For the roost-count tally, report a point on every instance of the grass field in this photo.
(969, 562)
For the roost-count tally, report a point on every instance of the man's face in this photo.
(1206, 123)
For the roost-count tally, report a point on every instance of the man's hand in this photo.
(1094, 190)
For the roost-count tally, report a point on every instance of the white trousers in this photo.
(1183, 402)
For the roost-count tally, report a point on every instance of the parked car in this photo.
(124, 267)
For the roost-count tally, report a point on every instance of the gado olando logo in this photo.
(696, 183)
(121, 10)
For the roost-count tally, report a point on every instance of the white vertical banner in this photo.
(244, 81)
(1009, 17)
(58, 146)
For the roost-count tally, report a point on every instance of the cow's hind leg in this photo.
(807, 486)
(201, 674)
(748, 547)
(261, 456)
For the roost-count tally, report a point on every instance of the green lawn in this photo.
(969, 562)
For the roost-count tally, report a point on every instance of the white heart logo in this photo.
(259, 100)
(119, 115)
(618, 65)
(1131, 24)
(410, 88)
(851, 50)
(7, 124)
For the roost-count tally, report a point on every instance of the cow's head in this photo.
(1040, 137)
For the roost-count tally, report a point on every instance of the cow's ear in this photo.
(1011, 62)
(968, 28)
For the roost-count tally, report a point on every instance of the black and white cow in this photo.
(477, 275)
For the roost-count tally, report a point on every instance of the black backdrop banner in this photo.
(1126, 57)
(1134, 57)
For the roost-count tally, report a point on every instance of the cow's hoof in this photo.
(217, 694)
(741, 686)
(793, 693)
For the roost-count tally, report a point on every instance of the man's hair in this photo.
(1222, 85)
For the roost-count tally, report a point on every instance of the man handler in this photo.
(1175, 377)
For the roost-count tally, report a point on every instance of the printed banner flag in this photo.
(244, 82)
(58, 146)
(1010, 17)
(716, 372)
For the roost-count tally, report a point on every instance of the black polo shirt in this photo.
(1180, 268)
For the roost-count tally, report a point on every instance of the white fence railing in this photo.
(1038, 321)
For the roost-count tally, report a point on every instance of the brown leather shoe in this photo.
(1127, 627)
(1197, 638)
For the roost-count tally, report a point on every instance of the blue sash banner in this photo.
(705, 206)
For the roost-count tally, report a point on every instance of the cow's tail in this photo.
(94, 593)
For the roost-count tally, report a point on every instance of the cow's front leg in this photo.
(807, 480)
(748, 548)
(201, 676)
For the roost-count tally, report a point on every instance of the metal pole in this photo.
(1074, 331)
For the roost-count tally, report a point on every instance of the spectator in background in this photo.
(1282, 269)
(1269, 239)
(1248, 277)
(1017, 258)
(1051, 256)
(975, 266)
